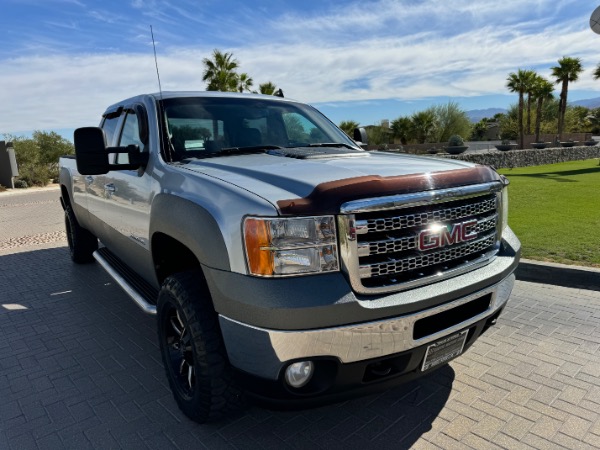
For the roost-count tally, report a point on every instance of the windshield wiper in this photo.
(249, 149)
(331, 144)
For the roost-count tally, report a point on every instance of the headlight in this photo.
(503, 206)
(290, 246)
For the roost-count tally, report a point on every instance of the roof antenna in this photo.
(156, 62)
(169, 145)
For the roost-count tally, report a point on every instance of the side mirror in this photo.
(360, 136)
(90, 151)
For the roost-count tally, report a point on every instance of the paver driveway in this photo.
(80, 368)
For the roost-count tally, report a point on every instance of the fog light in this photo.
(299, 373)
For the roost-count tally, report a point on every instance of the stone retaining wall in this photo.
(529, 157)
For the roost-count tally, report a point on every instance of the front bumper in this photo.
(334, 381)
(265, 352)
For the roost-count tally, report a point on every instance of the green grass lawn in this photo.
(555, 211)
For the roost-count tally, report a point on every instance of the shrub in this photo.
(455, 141)
(37, 157)
(21, 184)
(2, 188)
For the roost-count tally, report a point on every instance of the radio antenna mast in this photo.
(156, 62)
(171, 151)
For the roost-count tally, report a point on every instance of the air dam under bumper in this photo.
(264, 352)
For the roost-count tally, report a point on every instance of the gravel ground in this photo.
(31, 217)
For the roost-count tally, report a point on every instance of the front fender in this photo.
(193, 226)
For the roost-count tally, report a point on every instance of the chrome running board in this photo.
(136, 288)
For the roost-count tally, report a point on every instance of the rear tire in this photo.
(82, 243)
(193, 351)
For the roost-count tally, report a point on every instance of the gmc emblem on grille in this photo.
(442, 236)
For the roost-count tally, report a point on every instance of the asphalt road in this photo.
(80, 368)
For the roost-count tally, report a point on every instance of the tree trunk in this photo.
(528, 113)
(538, 118)
(520, 120)
(562, 107)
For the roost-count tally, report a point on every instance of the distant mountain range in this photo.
(588, 103)
(475, 115)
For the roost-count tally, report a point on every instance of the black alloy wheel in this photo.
(193, 351)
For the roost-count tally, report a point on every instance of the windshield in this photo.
(200, 127)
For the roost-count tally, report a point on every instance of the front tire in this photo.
(82, 243)
(193, 351)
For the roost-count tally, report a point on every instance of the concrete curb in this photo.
(559, 274)
(31, 190)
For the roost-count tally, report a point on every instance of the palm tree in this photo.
(220, 73)
(423, 124)
(267, 88)
(402, 129)
(567, 71)
(541, 91)
(347, 126)
(518, 82)
(530, 78)
(244, 82)
(597, 72)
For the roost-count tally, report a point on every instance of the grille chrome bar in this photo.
(417, 261)
(419, 198)
(424, 218)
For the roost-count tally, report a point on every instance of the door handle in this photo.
(89, 179)
(110, 187)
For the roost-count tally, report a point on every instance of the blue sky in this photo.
(63, 61)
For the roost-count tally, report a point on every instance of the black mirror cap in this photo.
(90, 151)
(360, 135)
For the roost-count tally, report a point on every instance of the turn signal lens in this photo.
(258, 238)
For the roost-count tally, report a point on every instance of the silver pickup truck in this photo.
(281, 259)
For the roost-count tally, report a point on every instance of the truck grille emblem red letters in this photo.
(442, 236)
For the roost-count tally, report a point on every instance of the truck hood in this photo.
(288, 178)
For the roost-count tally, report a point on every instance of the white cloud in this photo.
(342, 55)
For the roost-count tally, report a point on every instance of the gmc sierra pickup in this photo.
(281, 259)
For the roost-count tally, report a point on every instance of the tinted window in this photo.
(109, 125)
(129, 136)
(202, 126)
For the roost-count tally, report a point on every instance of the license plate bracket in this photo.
(444, 350)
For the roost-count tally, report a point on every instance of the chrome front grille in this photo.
(397, 266)
(400, 242)
(425, 217)
(395, 244)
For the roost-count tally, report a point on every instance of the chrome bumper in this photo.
(263, 352)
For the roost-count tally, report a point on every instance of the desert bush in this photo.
(37, 157)
(456, 141)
